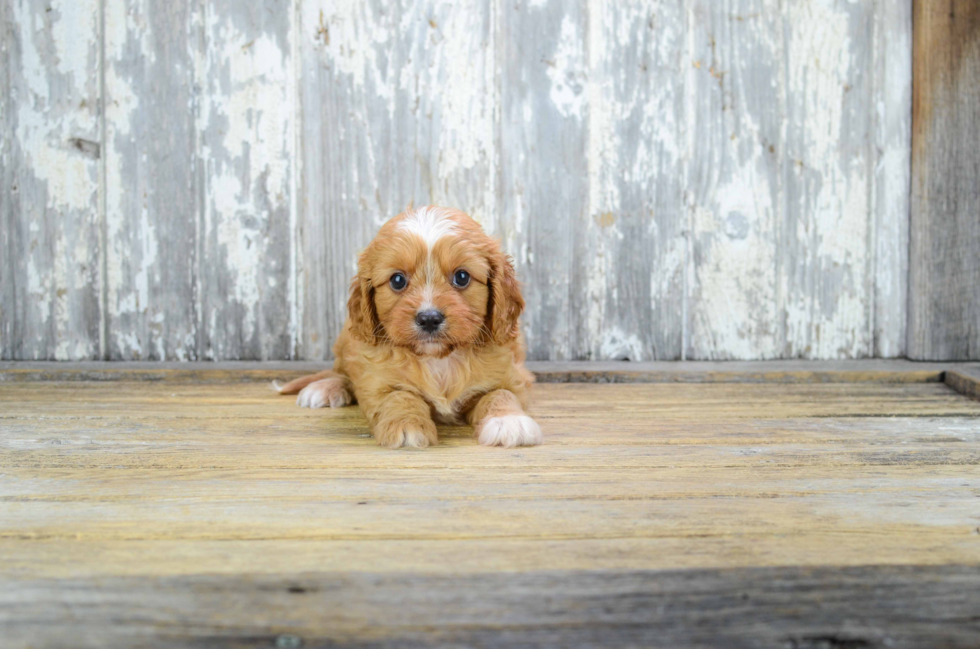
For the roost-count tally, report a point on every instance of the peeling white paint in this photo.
(567, 70)
(795, 250)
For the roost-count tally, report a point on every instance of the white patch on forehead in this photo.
(429, 223)
(427, 298)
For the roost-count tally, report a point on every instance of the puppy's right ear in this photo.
(364, 324)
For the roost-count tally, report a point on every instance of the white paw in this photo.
(415, 439)
(323, 393)
(510, 431)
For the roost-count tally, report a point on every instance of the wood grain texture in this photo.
(635, 242)
(246, 123)
(675, 179)
(965, 380)
(826, 237)
(944, 273)
(892, 155)
(878, 606)
(153, 181)
(736, 112)
(398, 107)
(787, 371)
(544, 166)
(50, 157)
(189, 513)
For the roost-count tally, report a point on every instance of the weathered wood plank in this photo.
(869, 606)
(734, 178)
(154, 181)
(247, 139)
(786, 371)
(85, 557)
(398, 103)
(544, 168)
(634, 239)
(892, 102)
(826, 237)
(666, 190)
(944, 272)
(222, 514)
(49, 202)
(966, 381)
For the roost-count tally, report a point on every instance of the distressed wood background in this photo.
(701, 179)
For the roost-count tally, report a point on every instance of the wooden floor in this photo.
(193, 512)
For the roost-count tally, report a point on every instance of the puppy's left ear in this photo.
(363, 318)
(505, 302)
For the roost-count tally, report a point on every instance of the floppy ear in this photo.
(505, 302)
(364, 324)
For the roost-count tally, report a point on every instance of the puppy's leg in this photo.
(499, 420)
(294, 386)
(320, 390)
(400, 419)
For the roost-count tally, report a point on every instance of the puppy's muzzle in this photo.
(430, 320)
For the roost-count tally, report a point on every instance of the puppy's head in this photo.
(433, 281)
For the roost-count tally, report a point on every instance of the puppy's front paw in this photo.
(323, 393)
(413, 432)
(509, 431)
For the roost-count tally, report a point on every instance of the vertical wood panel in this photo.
(247, 154)
(892, 155)
(735, 179)
(398, 105)
(944, 273)
(634, 239)
(544, 167)
(826, 235)
(153, 182)
(49, 274)
(677, 178)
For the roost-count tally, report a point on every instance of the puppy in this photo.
(431, 335)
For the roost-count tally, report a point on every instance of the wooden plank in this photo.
(398, 105)
(50, 152)
(892, 150)
(154, 181)
(247, 121)
(788, 371)
(85, 557)
(221, 514)
(734, 177)
(866, 606)
(826, 237)
(544, 167)
(637, 55)
(944, 272)
(966, 381)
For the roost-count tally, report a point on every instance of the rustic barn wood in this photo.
(944, 307)
(50, 166)
(185, 512)
(867, 371)
(154, 185)
(868, 606)
(675, 179)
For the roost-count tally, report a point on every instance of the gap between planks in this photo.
(961, 377)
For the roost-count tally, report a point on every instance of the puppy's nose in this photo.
(429, 320)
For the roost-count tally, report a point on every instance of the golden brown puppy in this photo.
(431, 335)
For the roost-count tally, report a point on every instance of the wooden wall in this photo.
(944, 306)
(675, 178)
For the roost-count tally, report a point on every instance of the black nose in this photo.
(429, 320)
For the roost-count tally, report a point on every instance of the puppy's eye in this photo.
(398, 281)
(461, 278)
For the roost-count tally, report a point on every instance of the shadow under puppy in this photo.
(431, 335)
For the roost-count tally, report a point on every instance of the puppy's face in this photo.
(432, 281)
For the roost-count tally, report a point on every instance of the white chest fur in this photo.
(446, 373)
(447, 384)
